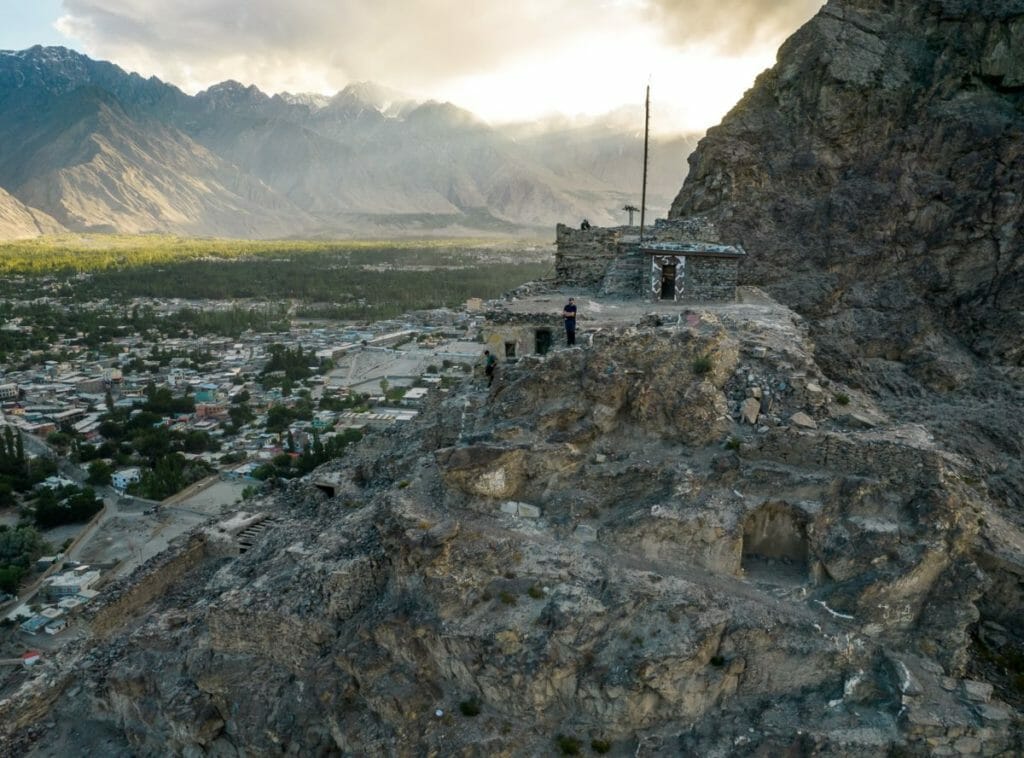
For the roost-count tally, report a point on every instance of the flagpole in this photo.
(643, 191)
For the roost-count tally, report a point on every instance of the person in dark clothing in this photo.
(489, 363)
(585, 225)
(569, 315)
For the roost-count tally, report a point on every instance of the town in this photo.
(112, 447)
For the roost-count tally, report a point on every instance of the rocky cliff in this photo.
(874, 175)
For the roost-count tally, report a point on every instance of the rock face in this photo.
(874, 175)
(593, 549)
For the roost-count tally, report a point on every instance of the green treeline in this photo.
(349, 279)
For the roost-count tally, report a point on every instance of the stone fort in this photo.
(679, 260)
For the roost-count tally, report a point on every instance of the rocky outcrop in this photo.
(596, 548)
(874, 175)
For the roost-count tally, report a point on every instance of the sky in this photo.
(505, 60)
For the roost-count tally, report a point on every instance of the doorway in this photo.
(543, 341)
(668, 281)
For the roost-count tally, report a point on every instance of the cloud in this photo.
(503, 59)
(737, 25)
(408, 44)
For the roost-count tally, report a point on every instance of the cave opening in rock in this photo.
(775, 546)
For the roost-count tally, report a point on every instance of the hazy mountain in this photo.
(99, 148)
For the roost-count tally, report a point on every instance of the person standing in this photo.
(569, 316)
(489, 363)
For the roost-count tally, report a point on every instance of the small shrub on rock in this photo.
(470, 707)
(600, 746)
(702, 364)
(568, 745)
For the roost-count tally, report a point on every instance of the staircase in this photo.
(624, 276)
(247, 538)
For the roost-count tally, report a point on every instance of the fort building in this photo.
(679, 260)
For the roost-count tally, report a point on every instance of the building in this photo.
(8, 391)
(70, 583)
(34, 624)
(120, 480)
(680, 261)
(691, 272)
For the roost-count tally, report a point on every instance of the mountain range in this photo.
(86, 146)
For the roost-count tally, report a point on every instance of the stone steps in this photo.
(248, 536)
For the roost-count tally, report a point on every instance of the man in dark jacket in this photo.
(569, 315)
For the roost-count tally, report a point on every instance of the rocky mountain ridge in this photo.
(366, 159)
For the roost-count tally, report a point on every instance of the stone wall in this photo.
(583, 255)
(691, 229)
(710, 279)
(699, 279)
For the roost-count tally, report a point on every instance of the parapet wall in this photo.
(583, 255)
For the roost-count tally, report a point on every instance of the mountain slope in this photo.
(96, 168)
(100, 148)
(18, 221)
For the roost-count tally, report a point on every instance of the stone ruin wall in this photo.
(583, 255)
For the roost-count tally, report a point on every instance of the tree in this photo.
(99, 473)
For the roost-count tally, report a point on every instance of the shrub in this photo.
(470, 707)
(842, 398)
(507, 598)
(535, 592)
(702, 364)
(717, 661)
(568, 745)
(733, 443)
(600, 746)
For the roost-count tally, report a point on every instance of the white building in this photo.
(71, 583)
(120, 480)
